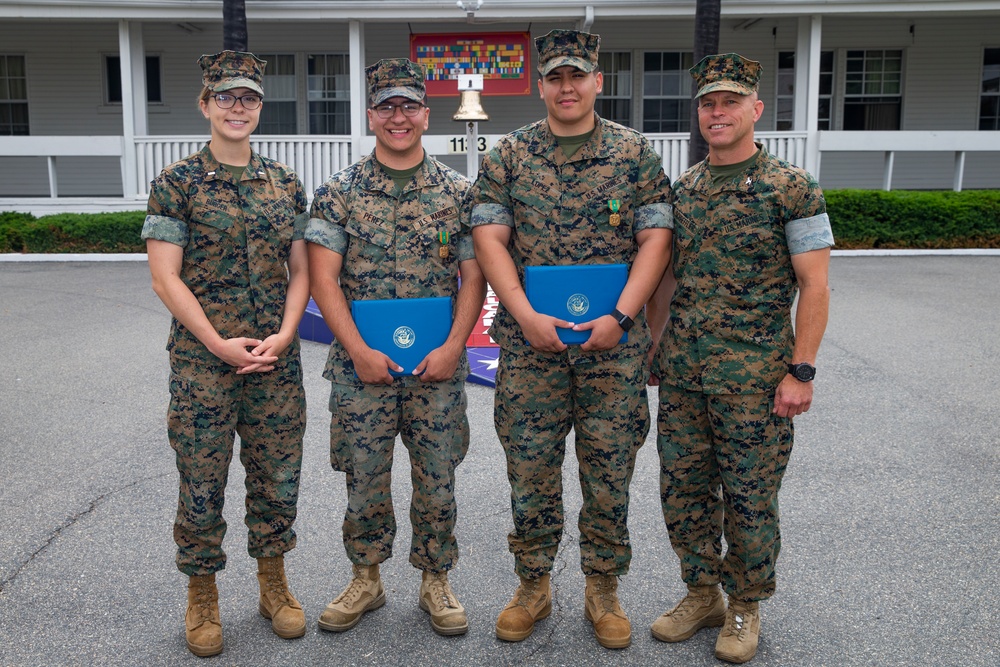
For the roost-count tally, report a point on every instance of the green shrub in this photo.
(12, 226)
(860, 219)
(73, 232)
(915, 219)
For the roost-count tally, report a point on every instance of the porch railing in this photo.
(314, 157)
(673, 148)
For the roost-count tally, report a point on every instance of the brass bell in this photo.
(470, 107)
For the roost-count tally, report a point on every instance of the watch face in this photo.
(804, 372)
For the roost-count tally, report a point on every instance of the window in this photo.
(989, 100)
(784, 114)
(13, 96)
(785, 98)
(615, 101)
(280, 110)
(329, 94)
(825, 115)
(666, 91)
(113, 79)
(873, 90)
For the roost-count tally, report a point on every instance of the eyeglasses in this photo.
(409, 109)
(249, 102)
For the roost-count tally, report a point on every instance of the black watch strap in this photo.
(624, 321)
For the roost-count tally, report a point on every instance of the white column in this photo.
(359, 88)
(140, 104)
(810, 43)
(126, 54)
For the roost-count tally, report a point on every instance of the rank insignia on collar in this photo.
(748, 181)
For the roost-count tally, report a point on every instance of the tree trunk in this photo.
(234, 25)
(706, 43)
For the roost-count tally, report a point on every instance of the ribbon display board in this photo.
(503, 58)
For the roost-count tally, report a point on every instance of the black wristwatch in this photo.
(623, 320)
(802, 372)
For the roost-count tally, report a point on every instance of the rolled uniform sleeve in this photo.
(654, 209)
(488, 201)
(323, 226)
(165, 217)
(164, 228)
(809, 224)
(812, 233)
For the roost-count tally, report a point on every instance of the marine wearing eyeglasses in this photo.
(388, 227)
(409, 109)
(249, 101)
(234, 351)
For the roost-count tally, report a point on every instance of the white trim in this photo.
(491, 10)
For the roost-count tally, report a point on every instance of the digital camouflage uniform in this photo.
(559, 213)
(723, 353)
(236, 235)
(391, 246)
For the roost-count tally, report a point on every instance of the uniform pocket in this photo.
(749, 249)
(213, 215)
(437, 239)
(532, 201)
(280, 216)
(340, 451)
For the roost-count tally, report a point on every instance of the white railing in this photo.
(956, 142)
(673, 148)
(314, 158)
(52, 148)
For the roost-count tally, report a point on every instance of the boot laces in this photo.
(737, 621)
(276, 586)
(353, 592)
(203, 598)
(606, 592)
(687, 606)
(441, 590)
(526, 593)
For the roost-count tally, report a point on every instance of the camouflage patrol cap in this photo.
(567, 47)
(726, 71)
(232, 69)
(395, 77)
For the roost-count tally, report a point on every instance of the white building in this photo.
(96, 96)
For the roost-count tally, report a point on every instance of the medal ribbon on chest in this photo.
(443, 237)
(616, 218)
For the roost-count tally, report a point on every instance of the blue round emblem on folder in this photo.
(404, 337)
(578, 304)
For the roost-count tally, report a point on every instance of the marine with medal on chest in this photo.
(388, 227)
(571, 189)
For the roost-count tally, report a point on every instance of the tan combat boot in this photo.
(738, 640)
(611, 625)
(364, 593)
(532, 602)
(277, 602)
(437, 599)
(702, 607)
(202, 626)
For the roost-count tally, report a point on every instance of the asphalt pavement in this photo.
(889, 508)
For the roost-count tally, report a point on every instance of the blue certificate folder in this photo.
(405, 330)
(578, 293)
